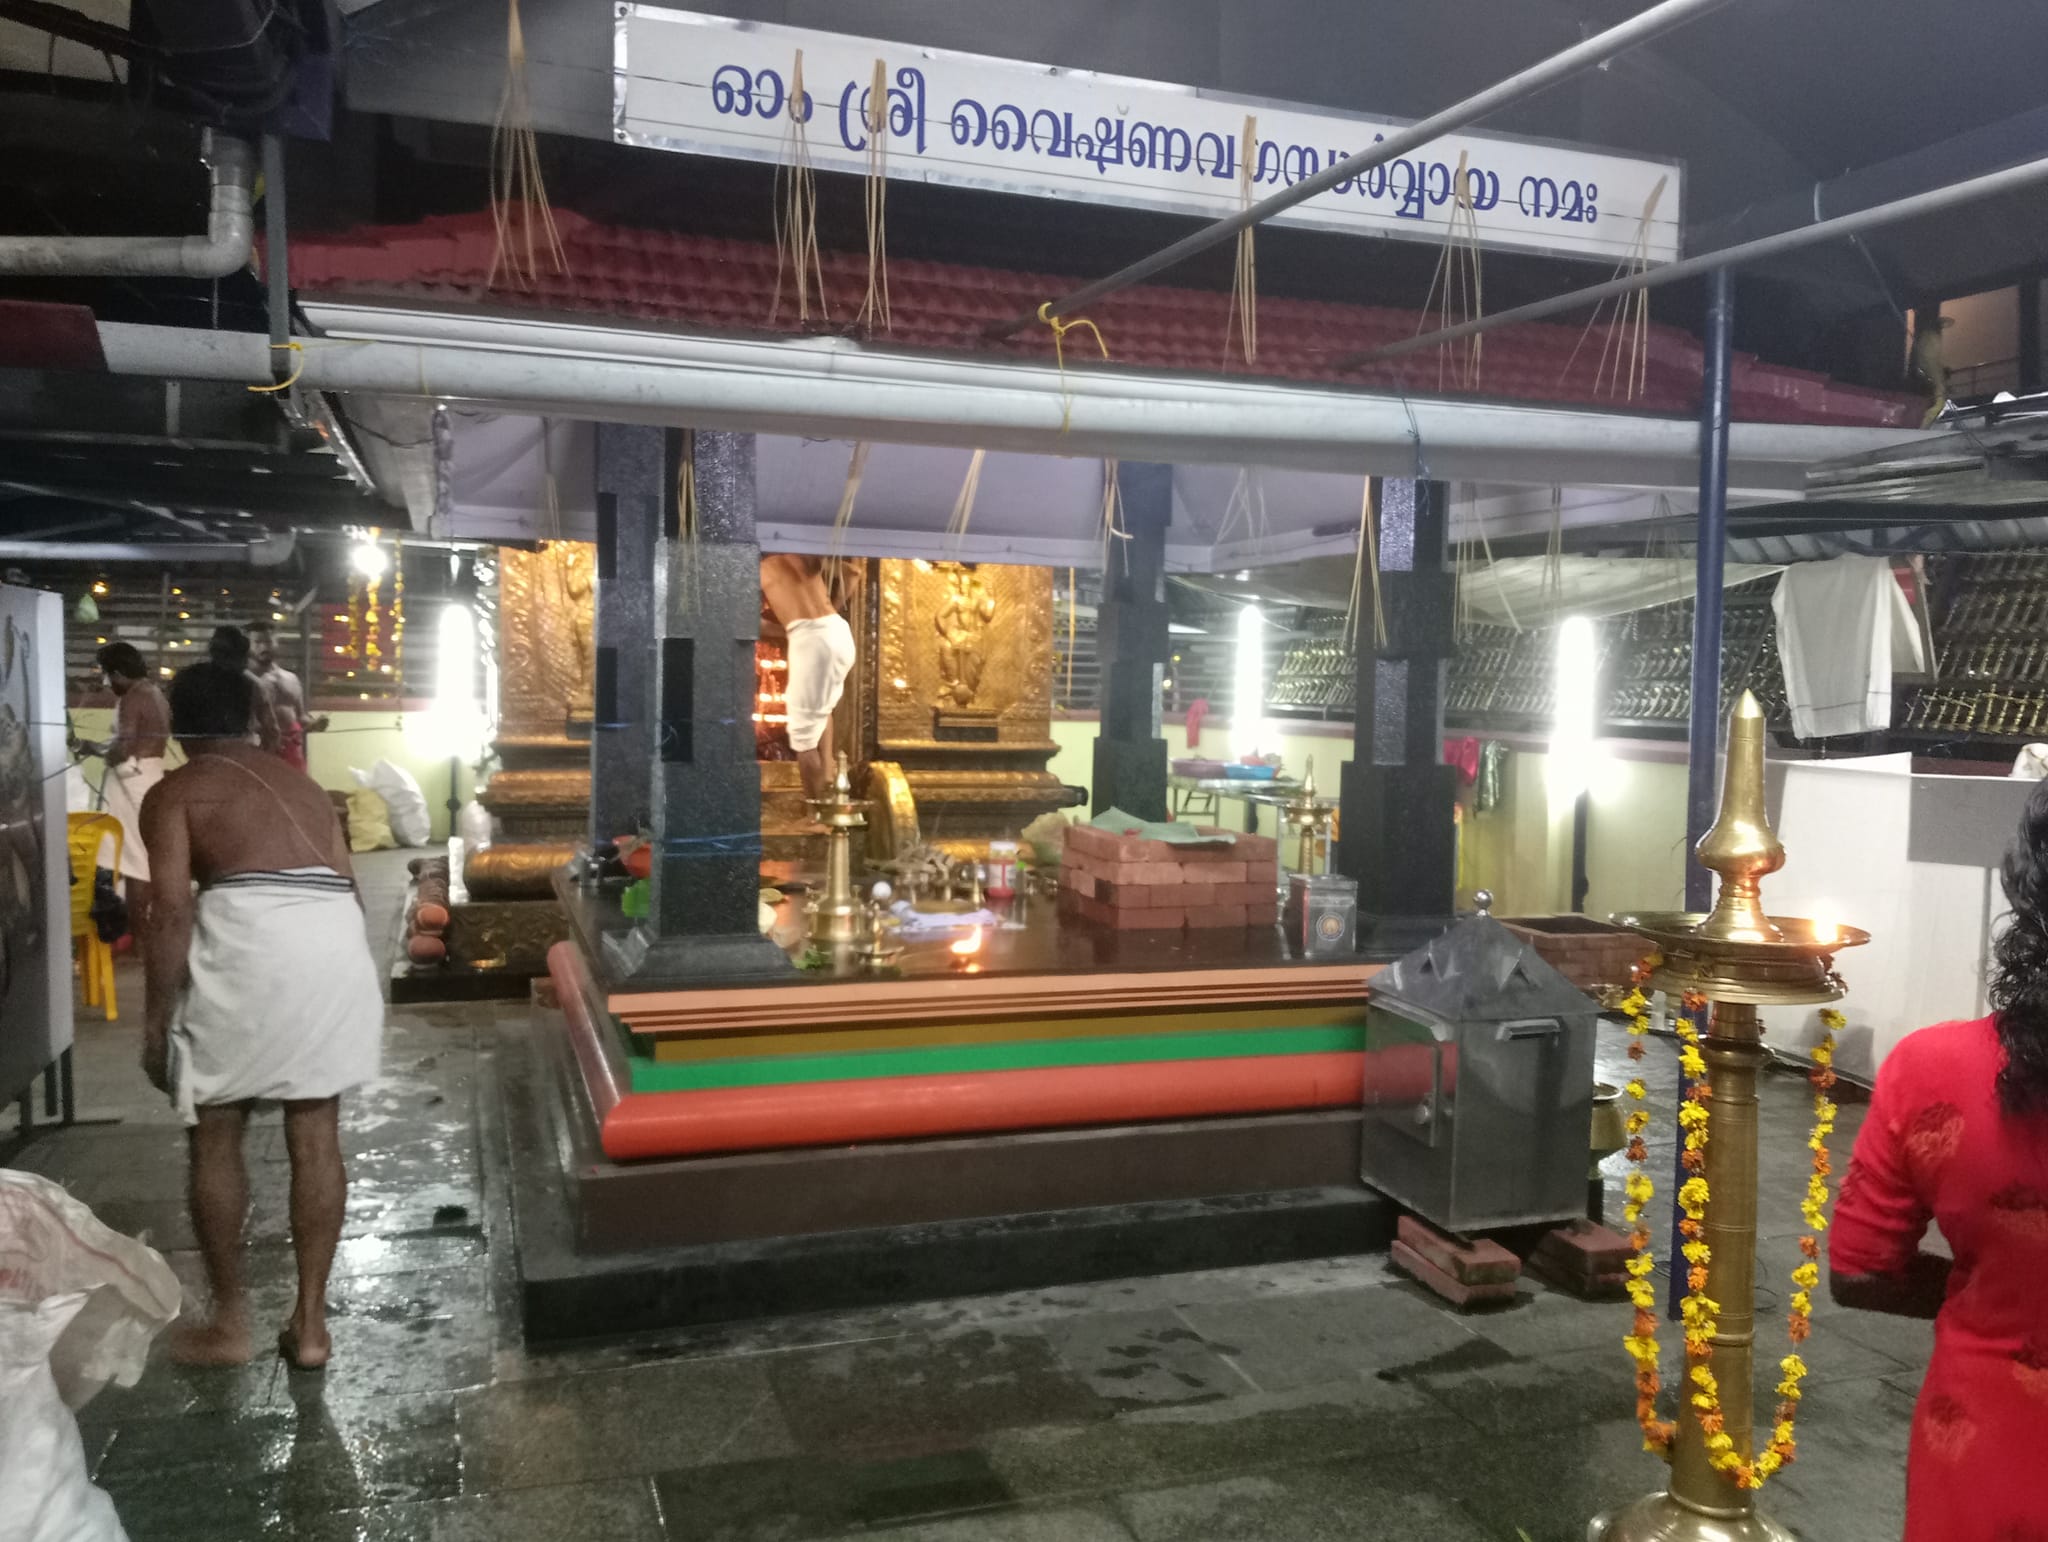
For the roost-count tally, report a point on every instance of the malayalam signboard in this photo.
(709, 85)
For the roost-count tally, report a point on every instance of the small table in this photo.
(1182, 790)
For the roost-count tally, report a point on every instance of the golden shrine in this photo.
(948, 710)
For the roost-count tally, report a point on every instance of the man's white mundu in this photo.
(284, 1001)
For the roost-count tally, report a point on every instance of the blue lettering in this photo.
(968, 131)
(732, 91)
(1216, 154)
(1300, 161)
(1156, 145)
(1059, 133)
(1483, 187)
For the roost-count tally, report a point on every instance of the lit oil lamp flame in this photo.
(967, 946)
(1826, 928)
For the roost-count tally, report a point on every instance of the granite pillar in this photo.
(631, 475)
(1132, 649)
(705, 788)
(1399, 836)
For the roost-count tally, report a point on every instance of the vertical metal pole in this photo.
(1703, 737)
(276, 261)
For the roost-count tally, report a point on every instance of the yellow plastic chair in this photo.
(95, 958)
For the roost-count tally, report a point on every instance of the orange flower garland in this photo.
(1699, 1312)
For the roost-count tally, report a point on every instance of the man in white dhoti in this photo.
(820, 654)
(135, 763)
(261, 987)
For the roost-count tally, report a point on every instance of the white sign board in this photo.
(709, 85)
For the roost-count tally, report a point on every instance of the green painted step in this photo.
(1016, 1055)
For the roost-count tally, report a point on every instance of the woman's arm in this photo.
(1916, 1291)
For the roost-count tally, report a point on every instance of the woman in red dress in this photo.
(1957, 1134)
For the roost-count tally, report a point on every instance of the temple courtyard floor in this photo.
(1328, 1398)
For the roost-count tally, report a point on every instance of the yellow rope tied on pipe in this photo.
(874, 308)
(1060, 329)
(856, 467)
(298, 369)
(963, 503)
(519, 194)
(796, 208)
(1244, 284)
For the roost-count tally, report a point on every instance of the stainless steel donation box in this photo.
(1478, 1082)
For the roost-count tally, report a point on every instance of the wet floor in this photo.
(1320, 1399)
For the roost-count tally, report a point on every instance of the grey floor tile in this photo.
(787, 1499)
(1135, 1359)
(1062, 1525)
(1358, 1415)
(1584, 1386)
(1542, 1321)
(1323, 1502)
(619, 1510)
(612, 1424)
(926, 1392)
(1297, 1341)
(218, 1474)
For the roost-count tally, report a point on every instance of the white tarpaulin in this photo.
(1519, 591)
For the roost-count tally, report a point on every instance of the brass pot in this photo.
(1610, 1124)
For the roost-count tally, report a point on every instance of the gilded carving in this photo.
(964, 635)
(515, 870)
(506, 934)
(546, 637)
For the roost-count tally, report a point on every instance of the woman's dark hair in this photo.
(228, 647)
(123, 659)
(2019, 969)
(211, 701)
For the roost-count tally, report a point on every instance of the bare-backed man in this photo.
(261, 988)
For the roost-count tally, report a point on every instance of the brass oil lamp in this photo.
(1308, 816)
(1739, 958)
(837, 917)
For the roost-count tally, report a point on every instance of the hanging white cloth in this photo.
(1843, 626)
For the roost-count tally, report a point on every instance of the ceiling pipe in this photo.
(835, 388)
(2010, 180)
(224, 249)
(269, 552)
(1542, 75)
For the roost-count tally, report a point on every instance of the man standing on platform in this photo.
(820, 654)
(287, 696)
(135, 763)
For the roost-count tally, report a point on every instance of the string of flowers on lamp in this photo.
(1699, 1313)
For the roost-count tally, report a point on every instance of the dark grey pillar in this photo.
(1131, 645)
(706, 787)
(1399, 837)
(631, 478)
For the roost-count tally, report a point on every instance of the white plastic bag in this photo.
(411, 820)
(51, 1245)
(79, 1304)
(42, 1460)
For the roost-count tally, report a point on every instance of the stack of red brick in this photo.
(1134, 884)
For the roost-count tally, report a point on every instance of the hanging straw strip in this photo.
(1244, 283)
(874, 310)
(1367, 560)
(522, 220)
(796, 207)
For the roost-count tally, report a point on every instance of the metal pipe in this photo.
(1931, 202)
(832, 387)
(276, 260)
(224, 249)
(269, 552)
(1703, 735)
(1595, 50)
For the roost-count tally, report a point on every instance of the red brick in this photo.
(1206, 918)
(1454, 1290)
(1194, 895)
(1261, 915)
(1585, 1247)
(1474, 1263)
(1125, 896)
(1154, 920)
(1208, 854)
(1083, 884)
(1266, 872)
(1092, 842)
(1257, 848)
(1589, 1287)
(1153, 872)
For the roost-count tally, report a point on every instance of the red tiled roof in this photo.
(729, 286)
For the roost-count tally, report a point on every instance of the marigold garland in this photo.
(1698, 1312)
